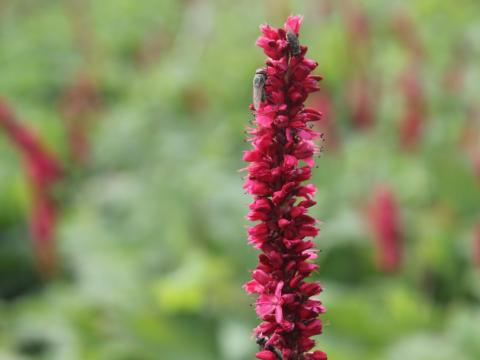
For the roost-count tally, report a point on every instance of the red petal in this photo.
(266, 355)
(293, 23)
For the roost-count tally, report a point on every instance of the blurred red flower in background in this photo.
(469, 139)
(476, 246)
(405, 30)
(415, 107)
(360, 98)
(385, 224)
(43, 171)
(79, 101)
(410, 81)
(324, 103)
(361, 89)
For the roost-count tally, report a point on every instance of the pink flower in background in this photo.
(476, 246)
(42, 166)
(414, 115)
(455, 76)
(79, 101)
(476, 165)
(357, 25)
(410, 83)
(415, 107)
(361, 94)
(411, 128)
(43, 172)
(385, 224)
(469, 139)
(403, 27)
(43, 224)
(326, 8)
(281, 160)
(360, 99)
(324, 103)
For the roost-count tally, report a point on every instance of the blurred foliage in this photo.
(152, 236)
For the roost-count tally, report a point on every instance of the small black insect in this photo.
(294, 134)
(293, 43)
(277, 353)
(261, 341)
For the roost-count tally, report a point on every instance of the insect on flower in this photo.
(293, 43)
(259, 87)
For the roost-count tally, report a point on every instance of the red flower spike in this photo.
(385, 224)
(476, 246)
(79, 101)
(476, 165)
(43, 171)
(415, 113)
(280, 160)
(361, 101)
(404, 28)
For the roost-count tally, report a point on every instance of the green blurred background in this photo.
(151, 236)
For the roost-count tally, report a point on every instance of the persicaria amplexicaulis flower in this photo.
(80, 100)
(476, 165)
(281, 160)
(385, 224)
(361, 90)
(476, 246)
(43, 172)
(324, 103)
(415, 110)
